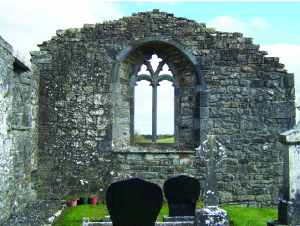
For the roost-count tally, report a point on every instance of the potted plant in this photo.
(93, 199)
(73, 201)
(84, 200)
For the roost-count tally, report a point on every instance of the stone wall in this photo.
(225, 86)
(18, 134)
(74, 156)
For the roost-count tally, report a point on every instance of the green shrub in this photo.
(140, 139)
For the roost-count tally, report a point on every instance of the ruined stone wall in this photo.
(18, 135)
(227, 88)
(75, 114)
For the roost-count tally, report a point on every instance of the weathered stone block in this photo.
(124, 167)
(139, 167)
(176, 162)
(173, 156)
(148, 157)
(185, 162)
(40, 57)
(281, 109)
(263, 198)
(160, 156)
(156, 169)
(147, 176)
(134, 157)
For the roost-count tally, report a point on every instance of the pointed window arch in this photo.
(191, 97)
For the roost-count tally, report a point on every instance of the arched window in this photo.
(191, 106)
(154, 72)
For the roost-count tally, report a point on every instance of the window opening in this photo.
(144, 70)
(156, 72)
(165, 70)
(165, 112)
(143, 112)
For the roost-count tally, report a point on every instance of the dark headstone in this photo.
(134, 202)
(182, 193)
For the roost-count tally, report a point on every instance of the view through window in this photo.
(144, 101)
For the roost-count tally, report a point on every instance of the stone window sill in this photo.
(155, 148)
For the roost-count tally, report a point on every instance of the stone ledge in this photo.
(141, 150)
(152, 148)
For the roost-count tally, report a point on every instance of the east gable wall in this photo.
(246, 100)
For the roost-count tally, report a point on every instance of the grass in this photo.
(166, 140)
(241, 216)
(73, 215)
(141, 139)
(238, 216)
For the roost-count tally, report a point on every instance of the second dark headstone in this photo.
(134, 202)
(182, 193)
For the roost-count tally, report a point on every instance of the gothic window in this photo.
(155, 83)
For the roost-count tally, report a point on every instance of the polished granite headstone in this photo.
(211, 152)
(134, 202)
(182, 193)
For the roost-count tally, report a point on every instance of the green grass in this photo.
(238, 216)
(72, 216)
(166, 140)
(244, 216)
(141, 139)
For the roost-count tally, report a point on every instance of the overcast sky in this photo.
(275, 26)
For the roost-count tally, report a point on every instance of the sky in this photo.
(274, 25)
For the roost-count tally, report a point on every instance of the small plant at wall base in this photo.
(84, 200)
(93, 199)
(73, 201)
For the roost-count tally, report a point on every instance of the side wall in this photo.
(74, 153)
(18, 136)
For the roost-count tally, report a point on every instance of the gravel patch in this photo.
(35, 214)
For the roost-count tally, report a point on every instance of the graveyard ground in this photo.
(238, 216)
